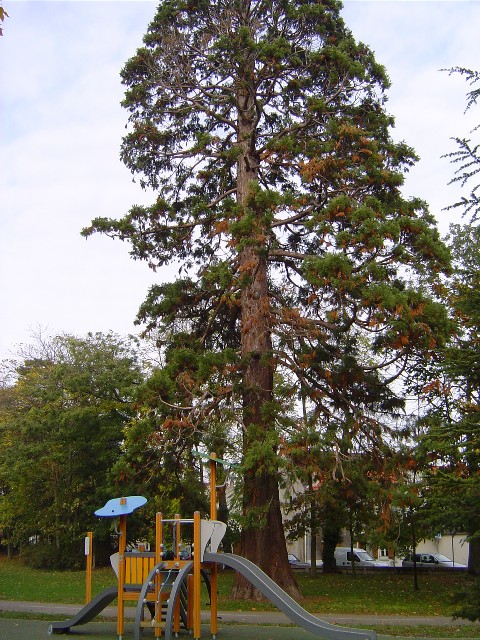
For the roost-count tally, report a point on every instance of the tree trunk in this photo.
(331, 537)
(414, 551)
(261, 503)
(313, 551)
(352, 562)
(313, 527)
(474, 557)
(223, 514)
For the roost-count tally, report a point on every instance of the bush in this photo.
(470, 602)
(43, 555)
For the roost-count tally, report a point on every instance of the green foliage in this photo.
(467, 157)
(468, 601)
(449, 442)
(261, 127)
(61, 431)
(43, 555)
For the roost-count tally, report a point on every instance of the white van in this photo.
(343, 557)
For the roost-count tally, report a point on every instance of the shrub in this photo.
(43, 555)
(470, 601)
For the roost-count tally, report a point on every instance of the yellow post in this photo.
(196, 575)
(122, 543)
(176, 554)
(189, 601)
(214, 569)
(158, 578)
(158, 537)
(89, 559)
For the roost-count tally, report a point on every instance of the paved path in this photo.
(37, 630)
(233, 625)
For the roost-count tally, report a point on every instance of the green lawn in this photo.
(18, 582)
(382, 593)
(375, 593)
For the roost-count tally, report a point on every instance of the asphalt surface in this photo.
(233, 625)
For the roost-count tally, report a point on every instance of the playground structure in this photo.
(169, 587)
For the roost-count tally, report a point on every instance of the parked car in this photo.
(361, 558)
(432, 561)
(384, 561)
(295, 563)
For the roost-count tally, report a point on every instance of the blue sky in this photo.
(62, 126)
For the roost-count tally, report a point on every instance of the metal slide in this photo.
(88, 613)
(284, 602)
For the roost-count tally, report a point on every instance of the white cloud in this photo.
(414, 40)
(62, 126)
(61, 168)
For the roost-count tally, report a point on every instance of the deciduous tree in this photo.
(452, 440)
(61, 432)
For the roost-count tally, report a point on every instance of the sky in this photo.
(61, 126)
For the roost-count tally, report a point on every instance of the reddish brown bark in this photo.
(261, 494)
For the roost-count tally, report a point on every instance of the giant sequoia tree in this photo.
(260, 124)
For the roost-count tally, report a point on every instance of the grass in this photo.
(462, 632)
(18, 582)
(385, 593)
(367, 593)
(425, 631)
